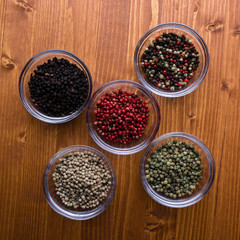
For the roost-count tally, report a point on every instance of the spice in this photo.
(174, 169)
(121, 116)
(170, 61)
(58, 87)
(82, 180)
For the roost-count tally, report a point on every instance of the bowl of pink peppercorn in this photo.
(123, 117)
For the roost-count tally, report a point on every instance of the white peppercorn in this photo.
(82, 180)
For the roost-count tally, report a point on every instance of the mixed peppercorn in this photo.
(58, 87)
(170, 61)
(121, 116)
(174, 169)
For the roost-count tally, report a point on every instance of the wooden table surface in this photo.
(104, 34)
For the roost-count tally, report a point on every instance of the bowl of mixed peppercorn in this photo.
(177, 170)
(55, 86)
(171, 60)
(123, 117)
(79, 182)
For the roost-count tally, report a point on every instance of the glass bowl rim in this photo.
(41, 116)
(84, 215)
(186, 90)
(178, 203)
(116, 150)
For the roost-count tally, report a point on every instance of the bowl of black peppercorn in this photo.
(55, 86)
(177, 170)
(171, 60)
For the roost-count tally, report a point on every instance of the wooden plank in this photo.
(104, 35)
(2, 16)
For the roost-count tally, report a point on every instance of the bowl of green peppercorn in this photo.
(79, 182)
(177, 170)
(171, 60)
(55, 86)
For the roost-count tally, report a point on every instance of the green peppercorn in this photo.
(175, 169)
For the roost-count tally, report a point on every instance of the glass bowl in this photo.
(54, 200)
(198, 42)
(29, 68)
(208, 171)
(150, 130)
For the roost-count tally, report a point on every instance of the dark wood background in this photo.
(104, 34)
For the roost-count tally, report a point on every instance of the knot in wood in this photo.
(153, 223)
(214, 26)
(7, 63)
(191, 116)
(196, 7)
(224, 86)
(237, 30)
(25, 6)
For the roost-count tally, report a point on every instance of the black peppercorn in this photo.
(58, 87)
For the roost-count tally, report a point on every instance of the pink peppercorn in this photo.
(121, 116)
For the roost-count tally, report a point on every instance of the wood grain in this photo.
(104, 35)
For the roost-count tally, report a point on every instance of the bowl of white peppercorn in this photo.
(79, 182)
(177, 170)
